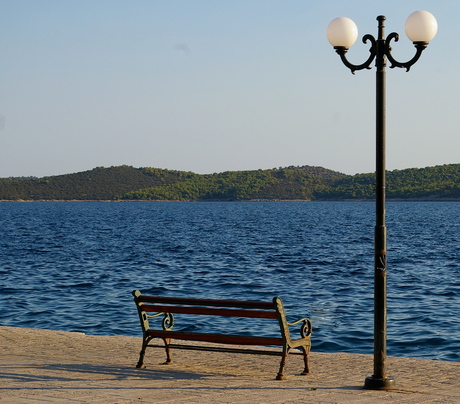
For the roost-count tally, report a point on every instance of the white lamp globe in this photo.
(421, 26)
(342, 32)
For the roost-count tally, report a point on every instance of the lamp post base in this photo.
(373, 383)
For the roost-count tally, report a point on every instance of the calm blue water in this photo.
(71, 266)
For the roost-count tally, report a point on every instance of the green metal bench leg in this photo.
(167, 341)
(140, 363)
(306, 351)
(280, 375)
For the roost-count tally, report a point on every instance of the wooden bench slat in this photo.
(209, 311)
(217, 338)
(207, 302)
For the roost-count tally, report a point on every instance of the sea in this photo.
(71, 266)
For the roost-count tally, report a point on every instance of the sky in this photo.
(217, 85)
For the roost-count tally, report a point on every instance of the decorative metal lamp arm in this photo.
(342, 50)
(420, 46)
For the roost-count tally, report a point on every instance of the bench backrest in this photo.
(161, 305)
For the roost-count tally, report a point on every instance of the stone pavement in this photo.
(42, 366)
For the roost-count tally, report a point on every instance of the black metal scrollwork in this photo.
(386, 51)
(306, 328)
(341, 50)
(420, 46)
(168, 321)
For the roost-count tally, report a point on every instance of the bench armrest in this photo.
(305, 329)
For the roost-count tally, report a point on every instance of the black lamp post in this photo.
(421, 27)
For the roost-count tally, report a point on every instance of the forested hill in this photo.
(290, 183)
(429, 183)
(97, 184)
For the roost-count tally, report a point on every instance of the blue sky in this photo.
(216, 85)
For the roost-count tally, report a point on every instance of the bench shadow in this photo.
(77, 372)
(114, 373)
(122, 373)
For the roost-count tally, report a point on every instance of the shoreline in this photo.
(237, 200)
(56, 366)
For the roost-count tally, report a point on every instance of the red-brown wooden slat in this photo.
(209, 311)
(206, 302)
(217, 338)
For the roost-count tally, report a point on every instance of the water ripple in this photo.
(87, 257)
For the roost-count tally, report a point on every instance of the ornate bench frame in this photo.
(149, 307)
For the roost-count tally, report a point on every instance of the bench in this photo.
(165, 308)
